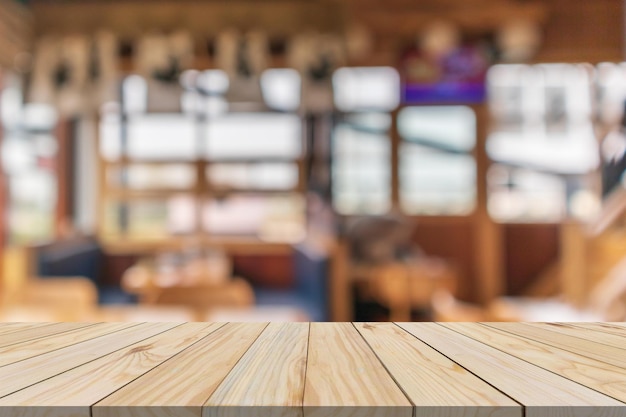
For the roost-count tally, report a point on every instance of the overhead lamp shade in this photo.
(45, 59)
(439, 38)
(519, 40)
(161, 59)
(103, 68)
(243, 57)
(359, 42)
(316, 57)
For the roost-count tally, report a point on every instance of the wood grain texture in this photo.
(6, 328)
(434, 384)
(181, 386)
(38, 332)
(345, 379)
(612, 328)
(591, 373)
(20, 351)
(22, 374)
(269, 377)
(542, 393)
(585, 347)
(72, 393)
(586, 333)
(313, 370)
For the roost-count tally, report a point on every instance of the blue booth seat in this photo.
(309, 292)
(82, 257)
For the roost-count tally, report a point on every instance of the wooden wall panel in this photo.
(581, 30)
(529, 250)
(453, 242)
(15, 31)
(269, 271)
(202, 18)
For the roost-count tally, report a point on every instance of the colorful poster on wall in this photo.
(456, 77)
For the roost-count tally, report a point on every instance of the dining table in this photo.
(313, 369)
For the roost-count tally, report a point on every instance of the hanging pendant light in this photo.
(243, 58)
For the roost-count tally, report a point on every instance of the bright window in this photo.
(437, 167)
(28, 155)
(361, 164)
(542, 135)
(204, 169)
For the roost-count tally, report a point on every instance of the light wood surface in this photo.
(345, 378)
(16, 327)
(586, 346)
(592, 373)
(181, 386)
(37, 332)
(269, 375)
(312, 369)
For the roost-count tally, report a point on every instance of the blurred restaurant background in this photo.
(312, 160)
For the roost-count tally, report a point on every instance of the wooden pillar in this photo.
(488, 239)
(341, 303)
(394, 162)
(64, 173)
(3, 204)
(573, 274)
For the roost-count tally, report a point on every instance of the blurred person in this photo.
(613, 150)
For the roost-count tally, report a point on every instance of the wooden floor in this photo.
(316, 370)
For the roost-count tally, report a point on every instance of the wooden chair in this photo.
(406, 286)
(608, 298)
(235, 293)
(52, 299)
(445, 307)
(123, 313)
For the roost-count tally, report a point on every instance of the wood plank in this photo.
(73, 392)
(25, 350)
(183, 384)
(39, 332)
(541, 392)
(19, 375)
(591, 349)
(6, 328)
(591, 373)
(587, 333)
(434, 384)
(613, 328)
(270, 375)
(345, 378)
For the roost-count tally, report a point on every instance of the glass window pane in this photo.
(611, 85)
(135, 94)
(447, 127)
(366, 88)
(369, 122)
(32, 202)
(522, 195)
(262, 176)
(110, 137)
(152, 219)
(18, 154)
(39, 117)
(271, 218)
(11, 107)
(145, 177)
(213, 82)
(281, 88)
(361, 171)
(162, 137)
(254, 136)
(437, 168)
(574, 151)
(436, 183)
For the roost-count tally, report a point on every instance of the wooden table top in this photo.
(312, 369)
